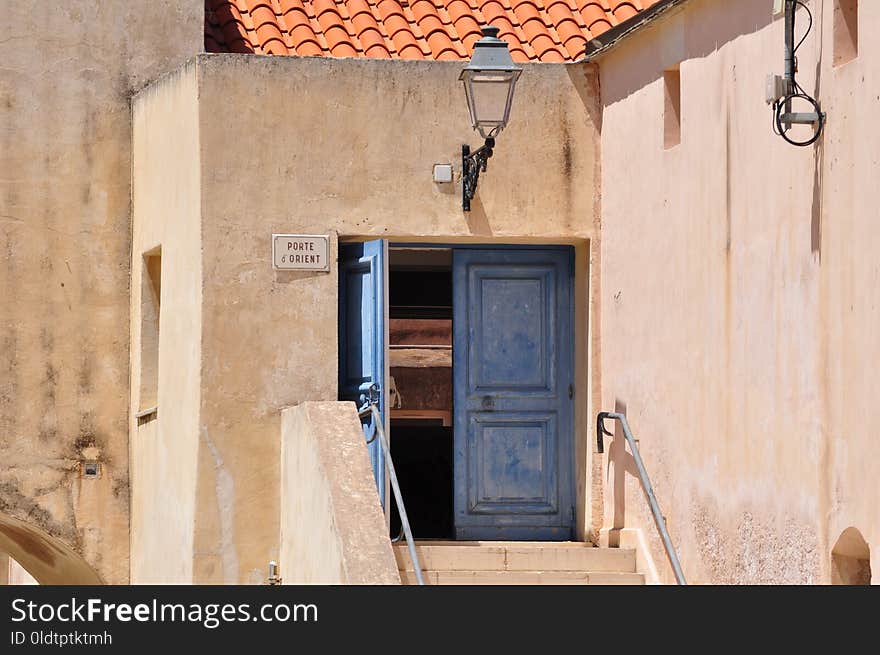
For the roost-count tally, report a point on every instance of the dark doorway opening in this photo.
(423, 458)
(420, 395)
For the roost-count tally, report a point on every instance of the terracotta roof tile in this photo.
(597, 17)
(625, 10)
(301, 37)
(374, 44)
(535, 30)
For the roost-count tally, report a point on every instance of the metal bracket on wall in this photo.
(801, 118)
(472, 164)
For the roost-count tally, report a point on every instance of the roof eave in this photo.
(612, 37)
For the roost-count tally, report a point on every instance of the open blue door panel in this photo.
(362, 335)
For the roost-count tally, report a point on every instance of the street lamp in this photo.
(489, 81)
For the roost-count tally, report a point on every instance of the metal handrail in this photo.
(659, 519)
(379, 431)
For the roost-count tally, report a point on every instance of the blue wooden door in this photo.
(363, 314)
(513, 365)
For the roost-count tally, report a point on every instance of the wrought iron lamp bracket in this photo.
(472, 164)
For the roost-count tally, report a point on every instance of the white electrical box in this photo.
(778, 7)
(443, 173)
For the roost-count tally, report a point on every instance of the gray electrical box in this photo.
(777, 88)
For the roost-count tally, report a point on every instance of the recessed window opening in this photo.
(671, 108)
(151, 294)
(851, 559)
(846, 31)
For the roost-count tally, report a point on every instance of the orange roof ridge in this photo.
(535, 30)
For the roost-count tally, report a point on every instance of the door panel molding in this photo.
(534, 487)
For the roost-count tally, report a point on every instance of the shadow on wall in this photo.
(622, 463)
(585, 80)
(44, 557)
(851, 559)
(707, 27)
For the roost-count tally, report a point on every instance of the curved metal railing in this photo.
(659, 519)
(379, 431)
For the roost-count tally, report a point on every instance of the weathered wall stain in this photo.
(64, 229)
(224, 489)
(764, 549)
(13, 502)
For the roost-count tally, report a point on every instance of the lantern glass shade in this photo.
(489, 97)
(489, 82)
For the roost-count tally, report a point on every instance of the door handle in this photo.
(488, 403)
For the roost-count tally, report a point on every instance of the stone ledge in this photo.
(333, 529)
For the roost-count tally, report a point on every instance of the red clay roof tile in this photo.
(374, 44)
(597, 17)
(625, 10)
(535, 30)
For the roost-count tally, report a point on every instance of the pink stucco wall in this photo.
(740, 294)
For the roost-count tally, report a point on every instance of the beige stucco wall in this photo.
(167, 216)
(65, 133)
(345, 148)
(332, 526)
(739, 295)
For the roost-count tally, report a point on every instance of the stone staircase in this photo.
(519, 563)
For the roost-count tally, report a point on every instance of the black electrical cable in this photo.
(797, 86)
(809, 27)
(780, 109)
(798, 91)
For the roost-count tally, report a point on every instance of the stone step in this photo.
(523, 578)
(517, 556)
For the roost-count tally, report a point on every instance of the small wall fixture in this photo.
(442, 173)
(489, 81)
(91, 469)
(274, 578)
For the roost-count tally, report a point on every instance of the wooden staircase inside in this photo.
(518, 563)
